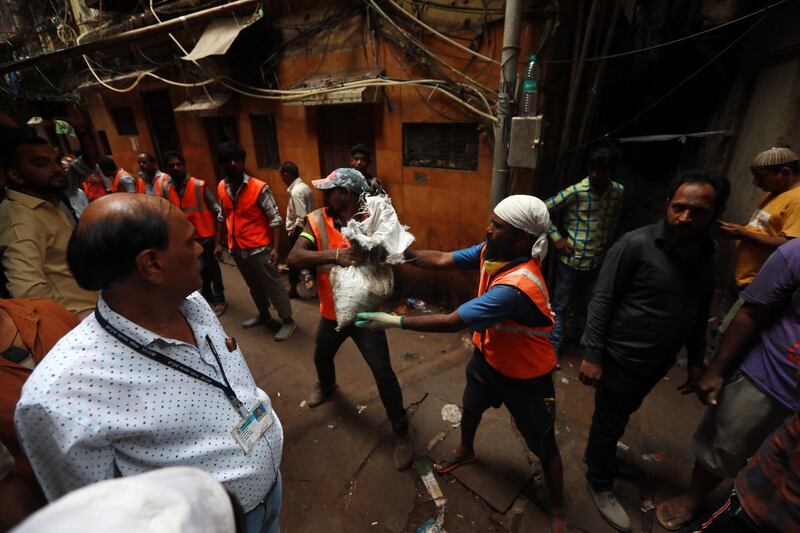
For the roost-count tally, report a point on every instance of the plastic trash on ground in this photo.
(365, 287)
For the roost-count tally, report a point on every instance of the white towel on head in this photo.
(527, 213)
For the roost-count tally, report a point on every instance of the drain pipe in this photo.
(508, 83)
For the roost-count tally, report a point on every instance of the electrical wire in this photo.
(669, 43)
(669, 93)
(422, 47)
(440, 35)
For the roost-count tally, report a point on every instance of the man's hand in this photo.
(218, 249)
(563, 246)
(350, 257)
(274, 256)
(590, 373)
(708, 386)
(689, 386)
(731, 231)
(378, 321)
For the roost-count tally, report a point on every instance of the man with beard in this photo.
(652, 297)
(513, 360)
(35, 226)
(196, 201)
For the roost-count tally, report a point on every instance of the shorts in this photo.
(732, 431)
(532, 402)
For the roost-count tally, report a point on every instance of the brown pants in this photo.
(264, 282)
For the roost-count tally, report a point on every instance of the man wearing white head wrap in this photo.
(529, 214)
(513, 360)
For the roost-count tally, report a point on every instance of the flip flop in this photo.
(675, 523)
(448, 465)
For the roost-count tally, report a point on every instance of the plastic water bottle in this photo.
(530, 87)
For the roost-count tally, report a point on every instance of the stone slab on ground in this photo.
(502, 470)
(382, 494)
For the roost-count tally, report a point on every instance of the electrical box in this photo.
(523, 146)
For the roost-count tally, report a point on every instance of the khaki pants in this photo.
(264, 282)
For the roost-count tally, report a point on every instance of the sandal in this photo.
(449, 464)
(677, 520)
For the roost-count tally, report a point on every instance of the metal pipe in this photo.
(125, 37)
(508, 82)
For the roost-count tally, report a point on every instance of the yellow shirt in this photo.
(34, 236)
(776, 216)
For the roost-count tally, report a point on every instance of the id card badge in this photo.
(253, 427)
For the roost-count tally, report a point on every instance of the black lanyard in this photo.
(172, 363)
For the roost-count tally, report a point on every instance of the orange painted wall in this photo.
(447, 210)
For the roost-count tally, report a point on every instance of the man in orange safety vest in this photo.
(511, 320)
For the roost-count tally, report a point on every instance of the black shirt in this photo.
(648, 302)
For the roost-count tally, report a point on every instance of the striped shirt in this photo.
(590, 221)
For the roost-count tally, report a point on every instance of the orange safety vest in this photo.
(328, 238)
(192, 203)
(248, 225)
(95, 188)
(513, 349)
(138, 182)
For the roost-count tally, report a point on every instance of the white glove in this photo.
(378, 321)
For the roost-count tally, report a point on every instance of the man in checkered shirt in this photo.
(591, 213)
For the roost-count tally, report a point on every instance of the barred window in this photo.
(447, 145)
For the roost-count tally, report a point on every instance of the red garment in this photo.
(247, 223)
(328, 238)
(41, 323)
(192, 203)
(769, 486)
(513, 349)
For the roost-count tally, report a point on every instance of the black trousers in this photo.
(728, 517)
(375, 350)
(619, 395)
(213, 290)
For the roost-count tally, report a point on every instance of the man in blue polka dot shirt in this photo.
(151, 379)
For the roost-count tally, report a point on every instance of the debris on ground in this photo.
(564, 380)
(360, 408)
(451, 413)
(411, 356)
(652, 457)
(433, 525)
(647, 506)
(622, 446)
(302, 404)
(439, 437)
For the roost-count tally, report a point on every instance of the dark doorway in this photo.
(219, 130)
(161, 122)
(341, 127)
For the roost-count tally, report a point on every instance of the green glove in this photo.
(378, 321)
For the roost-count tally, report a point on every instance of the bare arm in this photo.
(740, 332)
(737, 231)
(430, 259)
(305, 253)
(437, 323)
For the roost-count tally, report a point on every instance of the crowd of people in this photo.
(110, 334)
